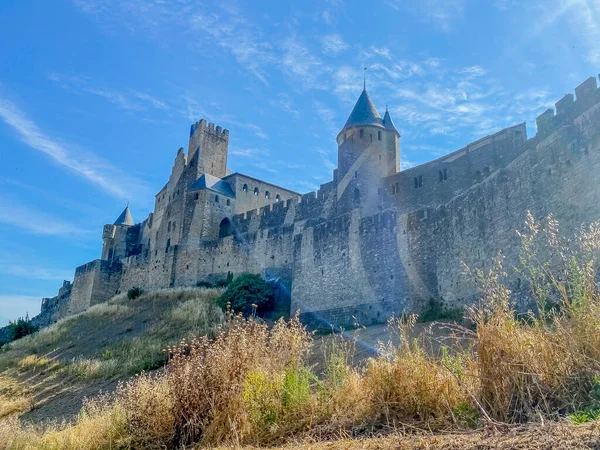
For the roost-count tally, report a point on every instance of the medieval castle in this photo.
(373, 241)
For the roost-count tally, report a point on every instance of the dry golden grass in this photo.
(249, 384)
(13, 397)
(558, 436)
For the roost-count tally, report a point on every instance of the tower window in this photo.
(379, 135)
(256, 191)
(445, 174)
(197, 196)
(168, 245)
(362, 133)
(228, 202)
(169, 228)
(245, 188)
(216, 199)
(418, 181)
(277, 198)
(267, 195)
(356, 174)
(356, 195)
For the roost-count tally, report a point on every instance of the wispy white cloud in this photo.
(285, 103)
(326, 158)
(333, 44)
(326, 115)
(84, 164)
(249, 152)
(230, 30)
(34, 272)
(23, 217)
(581, 17)
(127, 99)
(299, 64)
(255, 129)
(442, 13)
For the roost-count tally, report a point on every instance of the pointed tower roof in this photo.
(364, 112)
(387, 120)
(125, 218)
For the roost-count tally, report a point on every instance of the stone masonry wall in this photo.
(345, 264)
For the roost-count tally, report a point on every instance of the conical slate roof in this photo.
(364, 112)
(125, 218)
(387, 120)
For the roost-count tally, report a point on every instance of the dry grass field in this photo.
(178, 373)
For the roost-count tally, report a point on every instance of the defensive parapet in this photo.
(210, 145)
(587, 94)
(202, 125)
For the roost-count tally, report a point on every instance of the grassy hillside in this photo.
(510, 381)
(47, 375)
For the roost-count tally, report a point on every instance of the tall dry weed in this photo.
(542, 365)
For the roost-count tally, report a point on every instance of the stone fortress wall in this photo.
(371, 242)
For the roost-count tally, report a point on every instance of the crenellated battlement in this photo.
(209, 128)
(340, 258)
(587, 94)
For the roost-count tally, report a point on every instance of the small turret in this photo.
(125, 218)
(387, 120)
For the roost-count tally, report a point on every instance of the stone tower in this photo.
(114, 237)
(207, 149)
(368, 151)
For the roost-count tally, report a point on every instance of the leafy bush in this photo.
(247, 294)
(21, 328)
(134, 293)
(205, 284)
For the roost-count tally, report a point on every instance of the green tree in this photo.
(248, 293)
(21, 328)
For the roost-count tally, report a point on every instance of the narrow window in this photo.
(379, 135)
(356, 195)
(197, 196)
(445, 174)
(228, 202)
(157, 235)
(420, 181)
(168, 245)
(397, 187)
(362, 133)
(393, 188)
(277, 198)
(356, 174)
(379, 157)
(441, 175)
(173, 227)
(256, 191)
(245, 188)
(416, 182)
(267, 195)
(216, 199)
(169, 228)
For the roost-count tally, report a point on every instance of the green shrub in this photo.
(205, 284)
(21, 328)
(134, 293)
(248, 294)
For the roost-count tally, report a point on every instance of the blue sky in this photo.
(96, 96)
